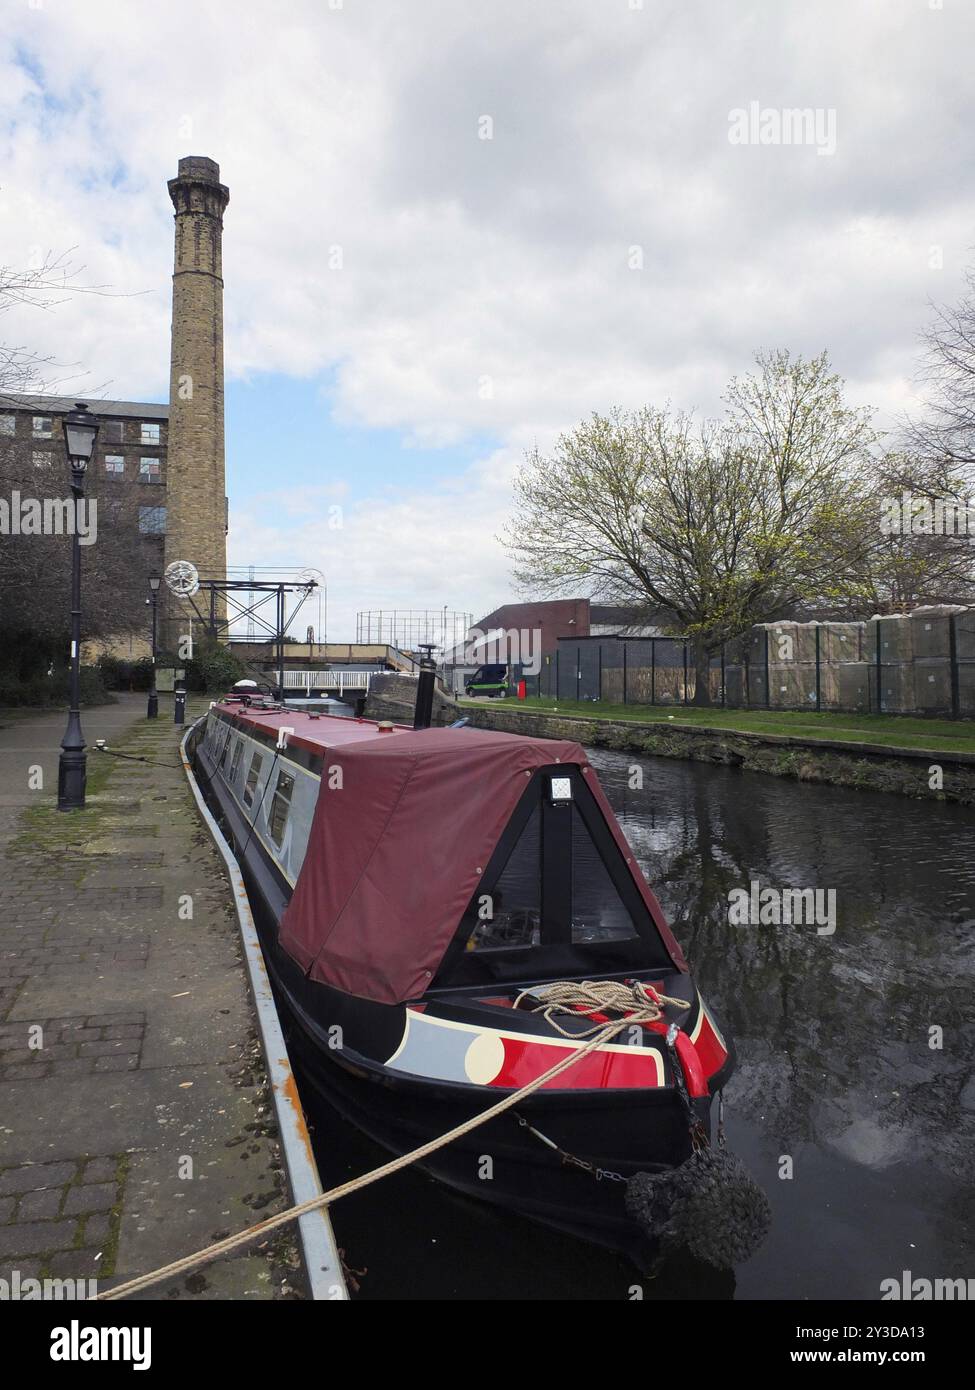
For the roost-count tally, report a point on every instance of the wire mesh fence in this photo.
(918, 663)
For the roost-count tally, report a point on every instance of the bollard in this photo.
(179, 705)
(522, 690)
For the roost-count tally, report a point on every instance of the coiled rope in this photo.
(642, 1004)
(645, 1004)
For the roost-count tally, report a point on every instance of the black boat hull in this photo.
(502, 1162)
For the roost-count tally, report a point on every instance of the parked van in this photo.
(488, 680)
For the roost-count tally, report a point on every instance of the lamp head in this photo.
(80, 433)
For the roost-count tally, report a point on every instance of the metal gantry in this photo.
(244, 599)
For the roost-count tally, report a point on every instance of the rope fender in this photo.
(709, 1204)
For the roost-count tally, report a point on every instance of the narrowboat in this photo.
(412, 887)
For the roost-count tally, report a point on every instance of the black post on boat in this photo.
(280, 640)
(423, 711)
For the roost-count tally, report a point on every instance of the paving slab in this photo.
(136, 1122)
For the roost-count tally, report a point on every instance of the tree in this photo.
(946, 432)
(42, 287)
(725, 524)
(922, 552)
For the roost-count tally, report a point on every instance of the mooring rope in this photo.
(598, 997)
(643, 1005)
(134, 757)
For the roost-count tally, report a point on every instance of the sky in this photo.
(456, 228)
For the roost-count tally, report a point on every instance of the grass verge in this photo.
(888, 730)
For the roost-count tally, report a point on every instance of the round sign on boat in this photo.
(484, 1058)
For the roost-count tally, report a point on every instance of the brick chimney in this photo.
(196, 520)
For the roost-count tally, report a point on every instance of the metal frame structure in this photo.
(267, 589)
(409, 628)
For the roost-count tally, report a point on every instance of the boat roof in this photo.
(317, 733)
(399, 843)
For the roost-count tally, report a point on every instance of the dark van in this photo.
(488, 680)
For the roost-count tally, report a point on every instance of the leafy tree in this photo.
(722, 524)
(922, 552)
(214, 668)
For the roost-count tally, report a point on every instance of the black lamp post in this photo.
(152, 711)
(80, 432)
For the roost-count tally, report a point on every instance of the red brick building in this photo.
(551, 618)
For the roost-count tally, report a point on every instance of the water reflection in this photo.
(835, 1068)
(833, 1031)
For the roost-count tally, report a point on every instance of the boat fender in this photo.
(709, 1205)
(697, 1085)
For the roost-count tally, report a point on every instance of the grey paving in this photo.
(135, 1119)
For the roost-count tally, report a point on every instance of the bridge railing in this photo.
(340, 681)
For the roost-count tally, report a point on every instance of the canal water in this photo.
(837, 1081)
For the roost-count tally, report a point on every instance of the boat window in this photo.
(226, 746)
(253, 773)
(235, 760)
(280, 806)
(556, 899)
(598, 911)
(511, 914)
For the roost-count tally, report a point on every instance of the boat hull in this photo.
(503, 1162)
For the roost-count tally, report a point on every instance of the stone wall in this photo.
(857, 765)
(392, 695)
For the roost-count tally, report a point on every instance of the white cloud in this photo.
(406, 549)
(484, 285)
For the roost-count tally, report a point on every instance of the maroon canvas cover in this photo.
(395, 854)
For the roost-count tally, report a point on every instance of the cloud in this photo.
(452, 286)
(408, 549)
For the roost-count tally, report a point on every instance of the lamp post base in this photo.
(72, 779)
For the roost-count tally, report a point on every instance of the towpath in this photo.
(135, 1119)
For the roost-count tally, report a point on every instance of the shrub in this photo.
(112, 672)
(47, 691)
(93, 690)
(118, 674)
(140, 675)
(215, 670)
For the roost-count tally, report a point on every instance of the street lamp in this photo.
(153, 708)
(80, 432)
